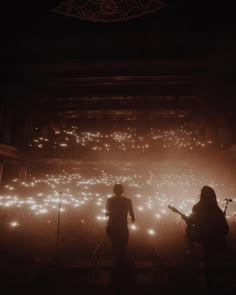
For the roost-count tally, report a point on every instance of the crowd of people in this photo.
(130, 139)
(84, 197)
(123, 209)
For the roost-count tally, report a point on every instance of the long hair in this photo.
(208, 197)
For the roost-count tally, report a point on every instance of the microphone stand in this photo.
(226, 204)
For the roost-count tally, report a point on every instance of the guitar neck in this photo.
(181, 214)
(178, 212)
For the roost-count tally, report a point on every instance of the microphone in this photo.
(228, 200)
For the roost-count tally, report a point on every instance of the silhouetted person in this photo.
(233, 225)
(207, 226)
(117, 209)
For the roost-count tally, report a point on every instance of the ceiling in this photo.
(168, 62)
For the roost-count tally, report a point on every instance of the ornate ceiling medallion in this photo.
(108, 10)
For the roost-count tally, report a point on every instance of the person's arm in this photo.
(187, 219)
(107, 208)
(131, 212)
(192, 218)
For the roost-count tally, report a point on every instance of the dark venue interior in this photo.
(99, 92)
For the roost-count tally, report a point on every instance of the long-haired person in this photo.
(208, 228)
(207, 224)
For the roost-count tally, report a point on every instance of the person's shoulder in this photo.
(196, 207)
(126, 199)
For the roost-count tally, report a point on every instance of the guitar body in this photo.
(209, 232)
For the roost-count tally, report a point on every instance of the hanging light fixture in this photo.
(108, 10)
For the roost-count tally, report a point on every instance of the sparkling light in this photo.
(151, 232)
(14, 224)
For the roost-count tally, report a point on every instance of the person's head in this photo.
(208, 196)
(118, 189)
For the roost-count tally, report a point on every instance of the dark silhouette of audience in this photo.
(117, 209)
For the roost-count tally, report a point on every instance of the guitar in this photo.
(191, 229)
(172, 208)
(211, 234)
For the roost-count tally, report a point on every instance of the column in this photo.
(1, 171)
(23, 173)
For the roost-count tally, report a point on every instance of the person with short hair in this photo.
(117, 209)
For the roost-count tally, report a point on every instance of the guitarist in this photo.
(207, 226)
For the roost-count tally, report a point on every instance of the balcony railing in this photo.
(8, 151)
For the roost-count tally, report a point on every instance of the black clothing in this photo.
(207, 225)
(118, 208)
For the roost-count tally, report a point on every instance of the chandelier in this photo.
(107, 10)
